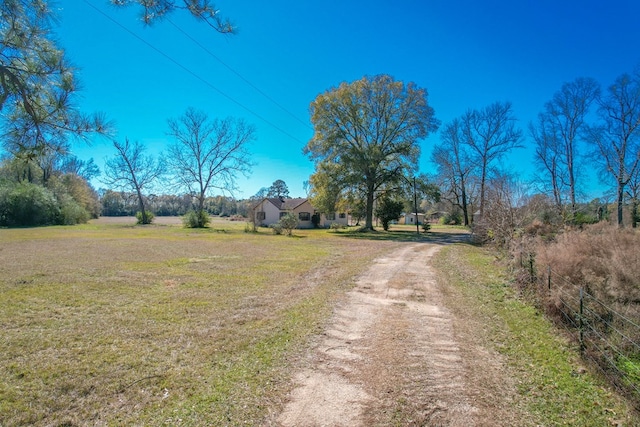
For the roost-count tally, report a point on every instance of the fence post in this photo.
(581, 322)
(521, 260)
(531, 276)
(549, 277)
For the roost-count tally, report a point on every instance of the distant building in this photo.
(410, 218)
(270, 209)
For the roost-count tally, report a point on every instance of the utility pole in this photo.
(415, 205)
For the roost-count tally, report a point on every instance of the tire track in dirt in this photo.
(388, 356)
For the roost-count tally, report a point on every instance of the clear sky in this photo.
(467, 54)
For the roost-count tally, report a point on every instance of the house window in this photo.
(331, 217)
(304, 216)
(343, 215)
(260, 216)
(283, 214)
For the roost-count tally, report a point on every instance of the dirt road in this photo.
(394, 354)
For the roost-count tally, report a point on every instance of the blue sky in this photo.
(467, 54)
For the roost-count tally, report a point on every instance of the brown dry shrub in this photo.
(602, 259)
(605, 261)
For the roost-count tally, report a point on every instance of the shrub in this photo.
(71, 213)
(276, 228)
(336, 226)
(543, 229)
(388, 210)
(196, 219)
(149, 217)
(451, 218)
(426, 226)
(27, 204)
(601, 257)
(79, 190)
(250, 227)
(288, 223)
(315, 220)
(585, 218)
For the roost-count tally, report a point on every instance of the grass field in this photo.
(114, 324)
(110, 323)
(554, 387)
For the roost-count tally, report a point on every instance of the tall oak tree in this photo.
(366, 136)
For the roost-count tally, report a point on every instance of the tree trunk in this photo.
(620, 201)
(572, 182)
(369, 209)
(143, 212)
(483, 179)
(465, 209)
(200, 210)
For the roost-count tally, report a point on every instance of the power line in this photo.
(194, 74)
(257, 89)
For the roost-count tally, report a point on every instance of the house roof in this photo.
(285, 204)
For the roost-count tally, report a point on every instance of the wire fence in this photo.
(607, 338)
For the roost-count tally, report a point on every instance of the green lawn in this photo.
(115, 324)
(159, 325)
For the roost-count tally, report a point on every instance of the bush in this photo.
(71, 213)
(276, 228)
(426, 226)
(585, 218)
(315, 220)
(388, 210)
(288, 223)
(76, 187)
(602, 258)
(451, 218)
(250, 227)
(196, 219)
(27, 204)
(149, 217)
(336, 226)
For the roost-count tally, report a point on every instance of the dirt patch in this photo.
(394, 354)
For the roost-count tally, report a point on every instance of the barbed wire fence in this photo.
(608, 339)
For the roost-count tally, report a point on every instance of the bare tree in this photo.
(86, 169)
(504, 214)
(491, 133)
(633, 193)
(208, 154)
(548, 161)
(454, 165)
(132, 170)
(558, 133)
(616, 139)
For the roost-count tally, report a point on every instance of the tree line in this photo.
(368, 134)
(121, 203)
(581, 127)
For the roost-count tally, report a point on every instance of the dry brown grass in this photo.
(601, 258)
(115, 324)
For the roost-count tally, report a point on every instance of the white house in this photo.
(269, 211)
(410, 218)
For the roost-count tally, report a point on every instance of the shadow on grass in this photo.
(441, 236)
